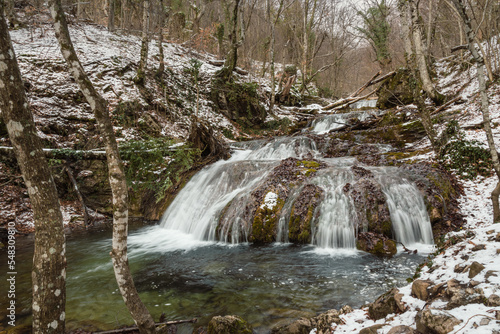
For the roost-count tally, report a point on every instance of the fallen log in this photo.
(342, 106)
(62, 154)
(220, 63)
(134, 328)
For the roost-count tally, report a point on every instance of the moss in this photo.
(387, 228)
(310, 172)
(265, 221)
(308, 163)
(297, 232)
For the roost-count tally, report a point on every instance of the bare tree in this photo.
(117, 179)
(49, 258)
(143, 62)
(470, 36)
(232, 57)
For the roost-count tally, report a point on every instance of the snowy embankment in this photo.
(478, 241)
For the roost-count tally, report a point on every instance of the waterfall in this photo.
(334, 227)
(338, 121)
(226, 186)
(410, 221)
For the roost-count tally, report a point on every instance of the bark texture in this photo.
(419, 51)
(469, 34)
(141, 70)
(49, 259)
(232, 57)
(117, 179)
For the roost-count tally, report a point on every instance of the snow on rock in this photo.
(270, 201)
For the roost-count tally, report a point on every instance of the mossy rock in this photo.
(239, 102)
(301, 217)
(376, 244)
(265, 222)
(396, 90)
(229, 324)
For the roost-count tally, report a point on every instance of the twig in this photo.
(475, 315)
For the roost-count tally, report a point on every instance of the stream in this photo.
(185, 269)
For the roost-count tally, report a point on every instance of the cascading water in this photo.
(226, 186)
(328, 123)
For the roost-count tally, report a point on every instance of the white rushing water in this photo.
(328, 123)
(226, 187)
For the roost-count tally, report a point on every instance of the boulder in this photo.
(460, 294)
(419, 289)
(493, 300)
(371, 330)
(435, 321)
(376, 244)
(301, 326)
(402, 330)
(322, 323)
(395, 91)
(299, 227)
(228, 324)
(475, 268)
(388, 303)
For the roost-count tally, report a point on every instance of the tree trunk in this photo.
(419, 51)
(232, 57)
(163, 15)
(405, 29)
(49, 258)
(143, 62)
(469, 33)
(111, 15)
(117, 179)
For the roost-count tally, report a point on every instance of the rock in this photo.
(419, 289)
(493, 300)
(301, 326)
(376, 244)
(435, 321)
(459, 294)
(395, 91)
(475, 268)
(478, 247)
(388, 303)
(324, 321)
(402, 330)
(484, 322)
(346, 309)
(460, 268)
(435, 215)
(228, 324)
(371, 330)
(497, 237)
(299, 226)
(489, 274)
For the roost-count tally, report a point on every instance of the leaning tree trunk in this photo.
(419, 51)
(143, 62)
(49, 258)
(469, 33)
(117, 179)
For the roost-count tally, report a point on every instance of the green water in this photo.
(184, 278)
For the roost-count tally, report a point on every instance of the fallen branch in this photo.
(134, 328)
(446, 105)
(61, 154)
(353, 101)
(353, 97)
